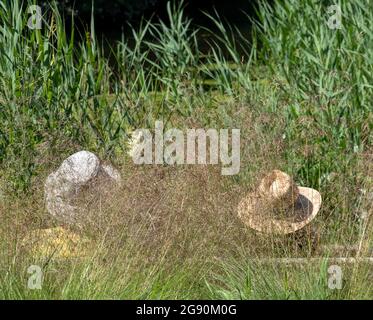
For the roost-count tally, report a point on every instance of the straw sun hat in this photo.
(279, 206)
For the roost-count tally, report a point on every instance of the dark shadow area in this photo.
(113, 17)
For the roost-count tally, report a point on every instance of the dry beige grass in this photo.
(164, 217)
(191, 210)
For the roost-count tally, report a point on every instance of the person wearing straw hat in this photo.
(279, 206)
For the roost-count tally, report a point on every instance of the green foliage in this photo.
(326, 73)
(60, 93)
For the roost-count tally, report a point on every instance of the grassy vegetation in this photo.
(300, 92)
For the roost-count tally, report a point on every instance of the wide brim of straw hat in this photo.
(304, 210)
